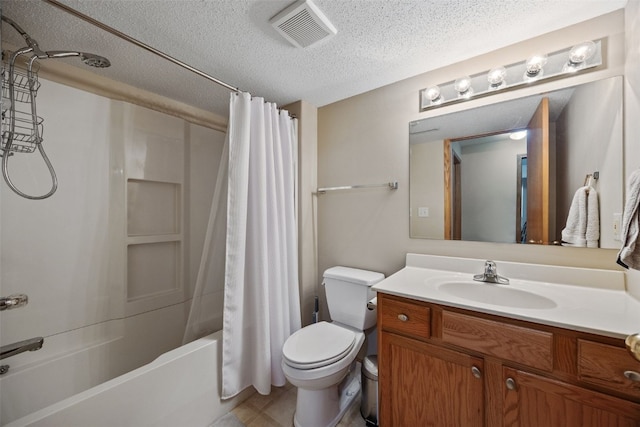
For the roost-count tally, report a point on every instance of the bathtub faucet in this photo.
(13, 301)
(32, 344)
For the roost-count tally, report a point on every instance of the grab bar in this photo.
(31, 344)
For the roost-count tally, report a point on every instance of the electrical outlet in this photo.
(617, 224)
(423, 212)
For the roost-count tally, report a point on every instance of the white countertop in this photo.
(581, 299)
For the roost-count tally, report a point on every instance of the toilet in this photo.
(319, 359)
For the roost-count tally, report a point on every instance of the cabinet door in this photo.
(533, 401)
(423, 385)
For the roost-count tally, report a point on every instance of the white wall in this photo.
(489, 190)
(593, 143)
(427, 187)
(56, 250)
(364, 139)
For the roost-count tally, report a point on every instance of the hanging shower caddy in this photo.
(21, 126)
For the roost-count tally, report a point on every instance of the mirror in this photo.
(470, 180)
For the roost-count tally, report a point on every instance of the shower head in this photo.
(94, 60)
(90, 59)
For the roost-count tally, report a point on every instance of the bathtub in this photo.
(179, 388)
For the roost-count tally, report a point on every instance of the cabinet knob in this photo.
(632, 375)
(633, 345)
(403, 317)
(511, 383)
(476, 371)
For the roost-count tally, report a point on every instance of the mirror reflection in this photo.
(509, 172)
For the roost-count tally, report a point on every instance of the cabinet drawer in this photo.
(407, 318)
(604, 365)
(514, 343)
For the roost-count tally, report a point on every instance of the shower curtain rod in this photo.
(139, 43)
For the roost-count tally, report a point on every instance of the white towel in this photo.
(575, 231)
(592, 234)
(629, 255)
(583, 222)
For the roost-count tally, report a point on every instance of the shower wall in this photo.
(112, 256)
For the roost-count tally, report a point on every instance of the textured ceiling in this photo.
(378, 41)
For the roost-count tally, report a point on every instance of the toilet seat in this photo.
(317, 345)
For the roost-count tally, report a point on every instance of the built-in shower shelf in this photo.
(154, 169)
(152, 208)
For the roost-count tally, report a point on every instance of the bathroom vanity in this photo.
(542, 352)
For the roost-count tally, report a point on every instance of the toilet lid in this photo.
(317, 345)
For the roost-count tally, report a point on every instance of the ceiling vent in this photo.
(303, 24)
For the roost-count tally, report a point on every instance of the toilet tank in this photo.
(348, 290)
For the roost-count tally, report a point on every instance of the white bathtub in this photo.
(179, 388)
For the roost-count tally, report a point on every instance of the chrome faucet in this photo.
(32, 344)
(491, 275)
(13, 301)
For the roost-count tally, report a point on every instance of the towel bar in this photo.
(393, 185)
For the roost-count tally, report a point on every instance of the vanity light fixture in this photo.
(497, 78)
(536, 69)
(463, 87)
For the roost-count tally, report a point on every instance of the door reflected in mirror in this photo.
(473, 178)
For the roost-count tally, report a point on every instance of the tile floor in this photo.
(276, 410)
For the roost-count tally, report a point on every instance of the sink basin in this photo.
(490, 293)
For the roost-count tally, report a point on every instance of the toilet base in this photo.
(326, 407)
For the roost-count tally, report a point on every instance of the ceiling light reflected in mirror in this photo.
(516, 136)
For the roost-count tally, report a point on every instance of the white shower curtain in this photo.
(205, 315)
(261, 297)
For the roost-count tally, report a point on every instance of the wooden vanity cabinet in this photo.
(420, 380)
(531, 400)
(442, 366)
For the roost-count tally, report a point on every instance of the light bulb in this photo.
(581, 52)
(535, 66)
(433, 95)
(496, 78)
(463, 87)
(578, 56)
